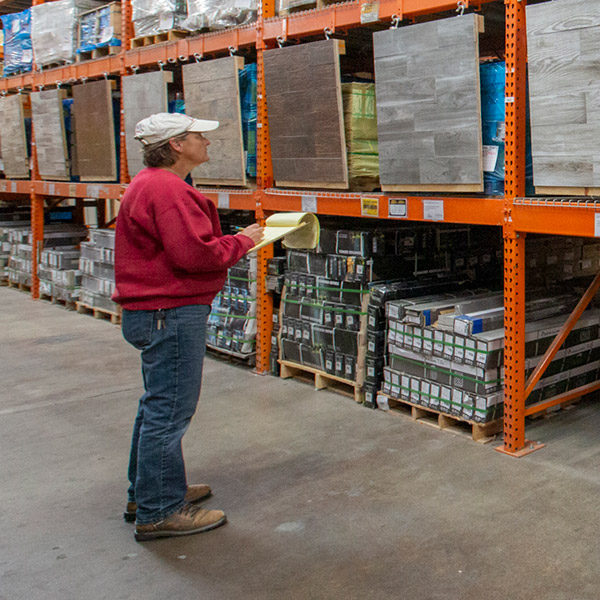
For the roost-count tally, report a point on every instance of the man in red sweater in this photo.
(171, 260)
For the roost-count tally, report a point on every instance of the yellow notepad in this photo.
(298, 230)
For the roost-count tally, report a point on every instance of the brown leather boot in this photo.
(188, 520)
(195, 493)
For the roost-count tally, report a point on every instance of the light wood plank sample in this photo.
(212, 91)
(50, 135)
(95, 131)
(306, 115)
(13, 139)
(143, 95)
(563, 40)
(429, 106)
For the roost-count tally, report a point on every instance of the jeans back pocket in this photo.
(136, 326)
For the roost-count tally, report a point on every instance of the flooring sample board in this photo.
(50, 135)
(563, 42)
(306, 115)
(143, 95)
(212, 91)
(429, 106)
(13, 140)
(95, 131)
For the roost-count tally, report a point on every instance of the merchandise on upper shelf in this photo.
(100, 28)
(219, 14)
(54, 30)
(157, 16)
(18, 53)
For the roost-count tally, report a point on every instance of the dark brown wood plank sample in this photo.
(95, 131)
(212, 91)
(429, 106)
(306, 124)
(13, 140)
(50, 135)
(563, 42)
(143, 95)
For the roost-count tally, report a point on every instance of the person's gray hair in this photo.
(161, 154)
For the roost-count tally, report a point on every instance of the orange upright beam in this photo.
(514, 242)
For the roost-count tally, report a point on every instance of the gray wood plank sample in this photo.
(13, 140)
(429, 106)
(306, 126)
(143, 95)
(95, 131)
(50, 135)
(212, 91)
(563, 42)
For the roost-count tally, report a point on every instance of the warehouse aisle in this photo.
(325, 498)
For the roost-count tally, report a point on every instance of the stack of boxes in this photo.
(18, 53)
(97, 265)
(6, 242)
(59, 273)
(232, 322)
(151, 17)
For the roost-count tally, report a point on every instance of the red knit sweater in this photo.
(169, 248)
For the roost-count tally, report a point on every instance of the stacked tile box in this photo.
(59, 274)
(232, 322)
(6, 244)
(97, 265)
(445, 354)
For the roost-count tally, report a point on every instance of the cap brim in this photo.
(202, 125)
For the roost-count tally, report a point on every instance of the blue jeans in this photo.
(172, 342)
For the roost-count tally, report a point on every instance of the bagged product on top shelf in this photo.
(18, 53)
(54, 30)
(157, 16)
(100, 28)
(219, 14)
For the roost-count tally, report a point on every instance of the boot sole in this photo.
(152, 535)
(129, 517)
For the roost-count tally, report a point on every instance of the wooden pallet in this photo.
(236, 357)
(292, 6)
(98, 53)
(478, 432)
(3, 282)
(322, 380)
(67, 304)
(20, 286)
(98, 313)
(158, 38)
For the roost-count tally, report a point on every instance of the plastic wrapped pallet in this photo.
(54, 30)
(249, 112)
(157, 16)
(18, 54)
(360, 122)
(100, 28)
(219, 14)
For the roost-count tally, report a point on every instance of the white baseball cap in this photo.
(164, 126)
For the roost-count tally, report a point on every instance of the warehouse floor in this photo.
(325, 498)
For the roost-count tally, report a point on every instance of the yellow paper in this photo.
(298, 230)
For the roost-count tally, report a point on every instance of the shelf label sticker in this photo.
(398, 208)
(13, 187)
(93, 191)
(2, 186)
(73, 190)
(597, 224)
(309, 204)
(369, 13)
(223, 200)
(433, 210)
(369, 207)
(51, 189)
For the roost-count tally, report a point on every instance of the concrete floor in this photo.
(325, 498)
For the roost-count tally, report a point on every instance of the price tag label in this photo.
(369, 207)
(433, 210)
(597, 224)
(223, 200)
(369, 13)
(309, 204)
(93, 191)
(2, 186)
(72, 190)
(398, 208)
(13, 187)
(51, 189)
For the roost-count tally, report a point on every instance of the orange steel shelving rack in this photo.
(516, 214)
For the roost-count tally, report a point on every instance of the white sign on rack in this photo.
(433, 210)
(309, 204)
(398, 208)
(597, 224)
(223, 200)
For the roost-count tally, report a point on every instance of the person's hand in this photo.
(255, 232)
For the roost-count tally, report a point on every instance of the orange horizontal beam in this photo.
(21, 186)
(91, 69)
(231, 199)
(570, 395)
(207, 43)
(576, 217)
(348, 14)
(477, 211)
(79, 190)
